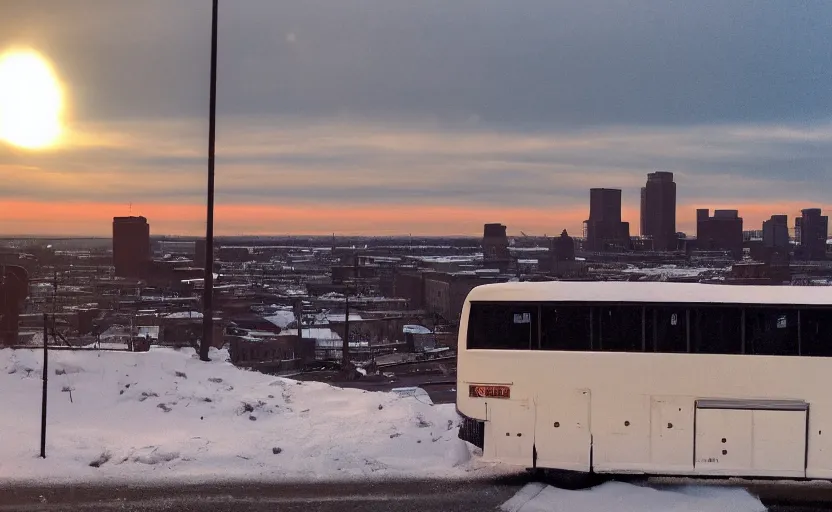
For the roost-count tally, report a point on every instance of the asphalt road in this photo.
(394, 496)
(416, 496)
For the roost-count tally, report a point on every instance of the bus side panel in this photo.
(620, 433)
(819, 463)
(779, 439)
(509, 432)
(562, 435)
(671, 434)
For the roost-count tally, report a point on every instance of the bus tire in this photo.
(565, 479)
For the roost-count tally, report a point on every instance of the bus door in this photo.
(509, 432)
(562, 438)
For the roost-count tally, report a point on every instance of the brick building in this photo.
(14, 288)
(495, 253)
(131, 246)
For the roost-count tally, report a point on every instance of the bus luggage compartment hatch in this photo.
(742, 437)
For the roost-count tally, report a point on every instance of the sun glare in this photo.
(31, 100)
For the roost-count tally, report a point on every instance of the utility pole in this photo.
(345, 351)
(299, 317)
(208, 281)
(45, 381)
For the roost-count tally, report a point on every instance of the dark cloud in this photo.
(524, 64)
(294, 162)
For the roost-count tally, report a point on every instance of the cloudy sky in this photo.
(421, 116)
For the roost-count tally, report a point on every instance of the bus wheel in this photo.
(563, 479)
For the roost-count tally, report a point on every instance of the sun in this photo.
(31, 100)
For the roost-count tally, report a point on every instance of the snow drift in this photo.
(164, 414)
(623, 497)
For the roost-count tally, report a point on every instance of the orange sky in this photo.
(24, 217)
(374, 179)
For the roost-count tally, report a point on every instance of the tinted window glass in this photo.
(667, 330)
(771, 331)
(619, 328)
(564, 327)
(816, 332)
(716, 330)
(509, 326)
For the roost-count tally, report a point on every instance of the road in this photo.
(440, 388)
(415, 496)
(394, 496)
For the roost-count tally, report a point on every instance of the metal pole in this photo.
(45, 380)
(345, 351)
(208, 282)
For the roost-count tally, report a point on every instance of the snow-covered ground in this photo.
(165, 415)
(623, 497)
(667, 271)
(281, 318)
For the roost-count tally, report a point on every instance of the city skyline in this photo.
(366, 126)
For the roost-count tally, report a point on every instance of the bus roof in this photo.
(649, 292)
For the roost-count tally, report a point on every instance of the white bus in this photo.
(649, 378)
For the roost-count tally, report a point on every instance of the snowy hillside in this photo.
(164, 414)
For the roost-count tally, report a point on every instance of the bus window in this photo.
(667, 330)
(619, 328)
(509, 326)
(716, 330)
(771, 331)
(564, 327)
(816, 332)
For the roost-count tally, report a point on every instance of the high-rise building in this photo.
(495, 253)
(131, 246)
(722, 232)
(658, 211)
(814, 230)
(797, 230)
(604, 228)
(776, 232)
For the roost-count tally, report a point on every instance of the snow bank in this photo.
(622, 497)
(163, 414)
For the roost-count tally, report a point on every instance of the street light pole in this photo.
(208, 281)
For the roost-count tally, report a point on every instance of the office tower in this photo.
(776, 232)
(604, 228)
(722, 232)
(658, 211)
(814, 230)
